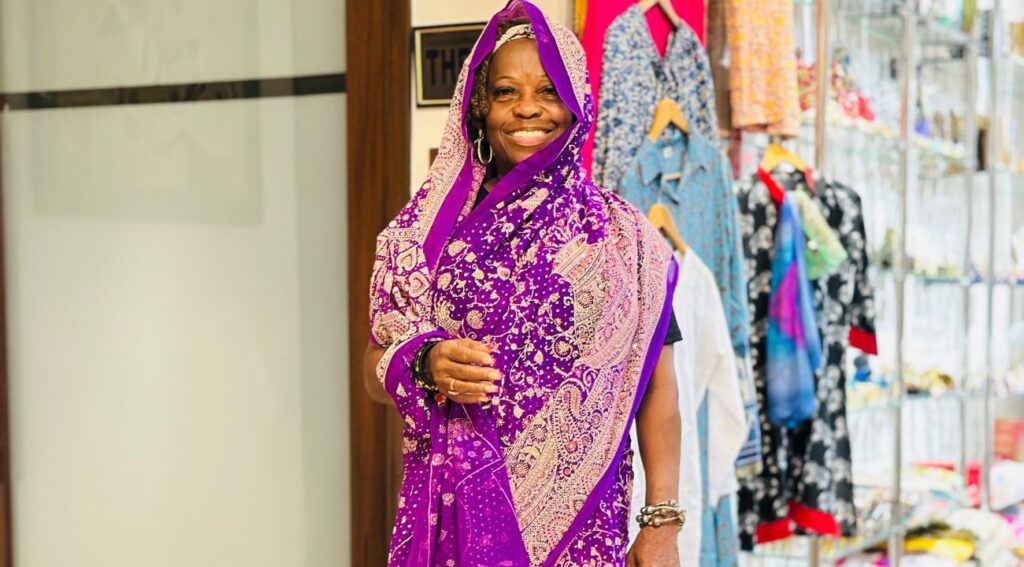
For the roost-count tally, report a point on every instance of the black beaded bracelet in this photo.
(420, 376)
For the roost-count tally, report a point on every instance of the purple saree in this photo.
(573, 286)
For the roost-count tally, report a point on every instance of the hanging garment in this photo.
(823, 477)
(718, 543)
(687, 174)
(823, 251)
(818, 494)
(794, 347)
(634, 79)
(750, 461)
(763, 83)
(595, 17)
(705, 369)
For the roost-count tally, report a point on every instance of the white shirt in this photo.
(704, 365)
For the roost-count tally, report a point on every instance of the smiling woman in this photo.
(515, 108)
(518, 317)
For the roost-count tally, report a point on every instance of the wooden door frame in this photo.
(379, 114)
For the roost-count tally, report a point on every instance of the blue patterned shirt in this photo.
(691, 177)
(634, 78)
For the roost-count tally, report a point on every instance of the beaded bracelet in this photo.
(657, 515)
(419, 368)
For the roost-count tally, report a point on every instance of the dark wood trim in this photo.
(6, 513)
(379, 138)
(184, 92)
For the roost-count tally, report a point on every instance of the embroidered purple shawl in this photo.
(574, 287)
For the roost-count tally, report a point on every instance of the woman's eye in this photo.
(504, 92)
(549, 91)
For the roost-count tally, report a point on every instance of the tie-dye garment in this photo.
(573, 286)
(794, 346)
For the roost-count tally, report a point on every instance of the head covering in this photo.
(569, 283)
(521, 31)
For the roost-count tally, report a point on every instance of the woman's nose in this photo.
(527, 107)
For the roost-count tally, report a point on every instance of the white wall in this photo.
(176, 289)
(428, 123)
(66, 44)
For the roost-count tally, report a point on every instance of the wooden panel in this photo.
(379, 117)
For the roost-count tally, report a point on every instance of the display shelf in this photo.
(926, 279)
(963, 396)
(830, 549)
(888, 25)
(938, 158)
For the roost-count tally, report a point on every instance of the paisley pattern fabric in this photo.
(571, 284)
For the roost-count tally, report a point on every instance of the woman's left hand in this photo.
(655, 547)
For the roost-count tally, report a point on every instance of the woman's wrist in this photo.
(662, 514)
(421, 374)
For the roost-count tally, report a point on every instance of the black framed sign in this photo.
(440, 52)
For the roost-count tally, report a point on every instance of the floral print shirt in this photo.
(634, 78)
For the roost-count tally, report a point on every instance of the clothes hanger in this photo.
(776, 154)
(661, 218)
(665, 113)
(666, 7)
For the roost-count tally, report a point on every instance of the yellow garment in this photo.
(763, 66)
(956, 550)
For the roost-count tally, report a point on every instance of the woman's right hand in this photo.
(463, 369)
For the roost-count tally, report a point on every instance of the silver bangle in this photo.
(656, 515)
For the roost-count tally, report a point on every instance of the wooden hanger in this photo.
(661, 218)
(665, 113)
(776, 154)
(666, 7)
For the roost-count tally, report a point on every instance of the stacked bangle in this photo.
(660, 514)
(420, 375)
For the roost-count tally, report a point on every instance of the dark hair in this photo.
(479, 106)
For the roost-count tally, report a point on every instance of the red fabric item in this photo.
(601, 14)
(863, 340)
(777, 193)
(773, 531)
(814, 520)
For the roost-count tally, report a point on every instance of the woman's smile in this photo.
(529, 136)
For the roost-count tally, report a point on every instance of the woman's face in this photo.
(526, 113)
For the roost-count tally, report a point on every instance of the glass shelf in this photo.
(968, 396)
(888, 25)
(937, 158)
(831, 549)
(957, 280)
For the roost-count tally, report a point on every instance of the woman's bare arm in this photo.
(659, 430)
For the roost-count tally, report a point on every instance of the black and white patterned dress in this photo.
(807, 479)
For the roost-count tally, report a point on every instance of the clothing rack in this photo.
(910, 61)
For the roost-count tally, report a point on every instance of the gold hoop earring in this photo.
(479, 148)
